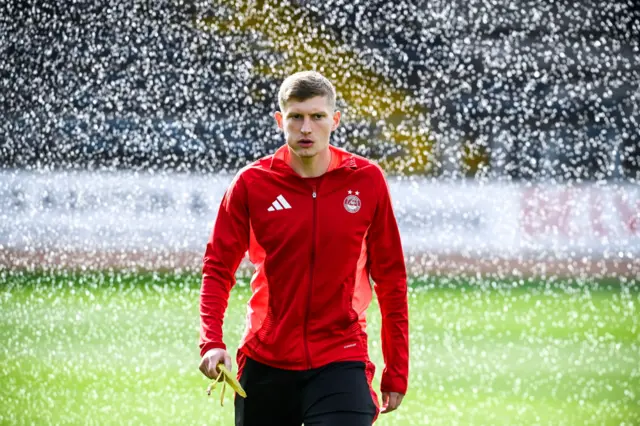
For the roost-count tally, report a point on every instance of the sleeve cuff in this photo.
(204, 348)
(393, 384)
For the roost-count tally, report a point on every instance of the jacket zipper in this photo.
(311, 268)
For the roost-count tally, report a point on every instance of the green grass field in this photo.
(115, 348)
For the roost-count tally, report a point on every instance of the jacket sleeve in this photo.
(387, 268)
(227, 246)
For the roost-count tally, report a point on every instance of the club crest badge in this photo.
(352, 202)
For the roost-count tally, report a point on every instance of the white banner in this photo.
(589, 219)
(127, 211)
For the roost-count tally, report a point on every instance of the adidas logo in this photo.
(279, 204)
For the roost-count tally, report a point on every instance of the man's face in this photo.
(307, 125)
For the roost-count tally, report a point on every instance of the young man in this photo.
(317, 221)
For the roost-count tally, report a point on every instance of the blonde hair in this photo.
(306, 85)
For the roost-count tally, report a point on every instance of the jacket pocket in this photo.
(266, 335)
(346, 315)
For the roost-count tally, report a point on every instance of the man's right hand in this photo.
(210, 361)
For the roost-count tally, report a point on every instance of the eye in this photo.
(318, 116)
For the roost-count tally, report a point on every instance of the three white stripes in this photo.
(279, 204)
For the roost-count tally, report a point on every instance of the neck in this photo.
(310, 166)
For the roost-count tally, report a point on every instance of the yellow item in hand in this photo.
(228, 379)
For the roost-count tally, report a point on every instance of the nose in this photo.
(306, 126)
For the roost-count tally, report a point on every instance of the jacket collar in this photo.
(339, 158)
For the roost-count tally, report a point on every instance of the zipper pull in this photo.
(314, 191)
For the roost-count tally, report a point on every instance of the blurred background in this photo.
(509, 132)
(508, 128)
(529, 90)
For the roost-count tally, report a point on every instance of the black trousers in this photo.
(334, 395)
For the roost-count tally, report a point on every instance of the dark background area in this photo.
(531, 90)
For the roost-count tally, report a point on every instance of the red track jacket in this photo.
(314, 243)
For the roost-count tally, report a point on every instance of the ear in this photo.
(278, 116)
(336, 120)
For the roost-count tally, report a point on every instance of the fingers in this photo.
(390, 401)
(227, 361)
(205, 367)
(385, 401)
(210, 361)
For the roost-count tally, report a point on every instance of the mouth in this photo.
(305, 143)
